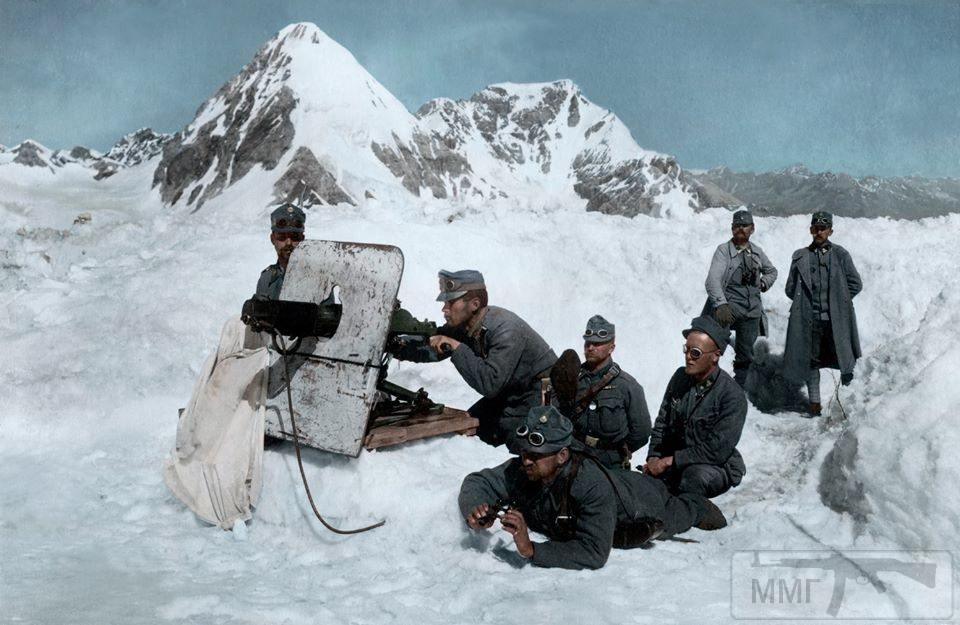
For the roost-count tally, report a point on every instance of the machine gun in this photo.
(294, 319)
(407, 334)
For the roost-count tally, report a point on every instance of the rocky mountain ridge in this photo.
(796, 189)
(310, 122)
(307, 116)
(132, 149)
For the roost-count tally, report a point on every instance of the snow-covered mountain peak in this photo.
(137, 147)
(310, 122)
(549, 133)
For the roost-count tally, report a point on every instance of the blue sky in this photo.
(863, 87)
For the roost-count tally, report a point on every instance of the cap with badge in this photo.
(742, 218)
(709, 326)
(599, 330)
(544, 431)
(822, 218)
(454, 284)
(287, 218)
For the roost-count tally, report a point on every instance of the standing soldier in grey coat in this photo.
(739, 273)
(610, 414)
(822, 331)
(496, 352)
(286, 233)
(693, 447)
(583, 508)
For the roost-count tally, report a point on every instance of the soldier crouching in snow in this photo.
(693, 448)
(496, 352)
(581, 507)
(822, 331)
(286, 233)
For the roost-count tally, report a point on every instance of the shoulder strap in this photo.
(591, 392)
(575, 460)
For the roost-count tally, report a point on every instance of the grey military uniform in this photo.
(597, 508)
(822, 330)
(700, 426)
(616, 417)
(501, 357)
(271, 281)
(736, 277)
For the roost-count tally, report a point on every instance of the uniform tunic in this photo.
(271, 281)
(501, 357)
(617, 415)
(700, 424)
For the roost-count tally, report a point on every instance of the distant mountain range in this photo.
(796, 189)
(308, 121)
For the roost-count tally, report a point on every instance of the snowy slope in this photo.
(104, 326)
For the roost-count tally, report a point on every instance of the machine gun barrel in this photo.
(294, 319)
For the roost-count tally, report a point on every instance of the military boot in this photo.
(713, 519)
(564, 376)
(816, 409)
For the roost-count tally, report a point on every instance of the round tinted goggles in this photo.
(695, 352)
(598, 333)
(535, 437)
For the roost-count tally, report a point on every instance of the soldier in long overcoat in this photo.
(822, 331)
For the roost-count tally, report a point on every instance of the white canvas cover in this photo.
(216, 467)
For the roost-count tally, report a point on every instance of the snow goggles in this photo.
(535, 438)
(288, 223)
(821, 221)
(598, 333)
(293, 236)
(696, 352)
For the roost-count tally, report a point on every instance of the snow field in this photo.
(105, 327)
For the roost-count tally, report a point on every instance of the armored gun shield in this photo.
(333, 382)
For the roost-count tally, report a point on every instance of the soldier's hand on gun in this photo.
(479, 519)
(514, 523)
(443, 344)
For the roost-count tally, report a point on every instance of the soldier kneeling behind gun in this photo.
(582, 507)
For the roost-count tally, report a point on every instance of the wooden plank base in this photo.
(418, 427)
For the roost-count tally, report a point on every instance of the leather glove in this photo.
(724, 314)
(846, 378)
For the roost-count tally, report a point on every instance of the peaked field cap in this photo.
(742, 218)
(709, 326)
(454, 284)
(598, 330)
(544, 430)
(287, 218)
(821, 218)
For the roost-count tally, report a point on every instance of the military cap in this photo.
(742, 218)
(544, 431)
(454, 284)
(709, 326)
(822, 218)
(287, 218)
(599, 330)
